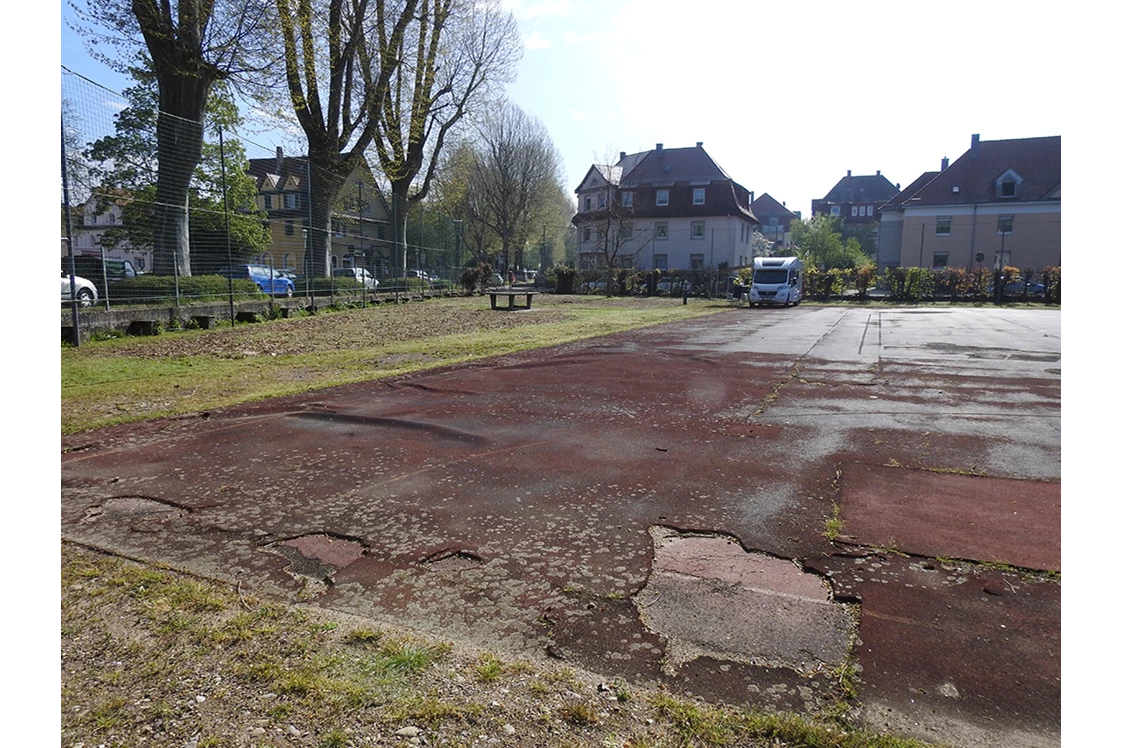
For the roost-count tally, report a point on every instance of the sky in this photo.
(785, 105)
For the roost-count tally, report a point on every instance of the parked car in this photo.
(85, 291)
(362, 275)
(421, 274)
(269, 281)
(287, 274)
(1018, 288)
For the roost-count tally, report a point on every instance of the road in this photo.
(746, 507)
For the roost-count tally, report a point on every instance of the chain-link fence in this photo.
(160, 211)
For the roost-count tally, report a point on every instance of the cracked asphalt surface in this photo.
(737, 506)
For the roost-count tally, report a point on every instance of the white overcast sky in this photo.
(785, 96)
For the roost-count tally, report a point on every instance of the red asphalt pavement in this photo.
(651, 505)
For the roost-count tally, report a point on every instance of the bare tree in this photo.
(516, 167)
(189, 45)
(454, 56)
(340, 56)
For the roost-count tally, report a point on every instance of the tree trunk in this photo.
(325, 182)
(399, 209)
(179, 147)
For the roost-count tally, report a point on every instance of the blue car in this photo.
(272, 283)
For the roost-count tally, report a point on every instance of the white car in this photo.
(362, 275)
(83, 289)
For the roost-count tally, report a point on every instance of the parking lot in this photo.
(750, 507)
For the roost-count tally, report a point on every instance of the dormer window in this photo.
(1008, 186)
(600, 199)
(588, 203)
(626, 199)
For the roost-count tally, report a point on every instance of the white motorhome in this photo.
(776, 280)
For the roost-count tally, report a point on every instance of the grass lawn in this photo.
(130, 379)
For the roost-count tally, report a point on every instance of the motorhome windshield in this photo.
(770, 275)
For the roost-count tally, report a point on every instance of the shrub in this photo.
(864, 277)
(1051, 279)
(563, 278)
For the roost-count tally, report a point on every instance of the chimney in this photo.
(622, 155)
(280, 158)
(847, 172)
(752, 195)
(658, 149)
(975, 145)
(698, 144)
(943, 163)
(878, 172)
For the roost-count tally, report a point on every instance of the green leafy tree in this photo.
(188, 46)
(124, 169)
(818, 242)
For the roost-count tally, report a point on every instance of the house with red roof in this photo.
(667, 208)
(999, 204)
(855, 200)
(775, 220)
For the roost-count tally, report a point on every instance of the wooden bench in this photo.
(510, 294)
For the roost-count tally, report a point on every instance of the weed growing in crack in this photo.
(578, 712)
(488, 669)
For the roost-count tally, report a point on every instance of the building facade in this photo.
(855, 201)
(998, 205)
(361, 231)
(668, 208)
(99, 215)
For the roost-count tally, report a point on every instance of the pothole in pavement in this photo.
(452, 560)
(133, 508)
(317, 556)
(709, 597)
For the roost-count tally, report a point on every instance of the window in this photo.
(661, 230)
(1005, 224)
(1009, 185)
(662, 197)
(854, 210)
(600, 199)
(588, 203)
(292, 201)
(586, 234)
(939, 260)
(289, 229)
(835, 210)
(696, 262)
(660, 262)
(943, 225)
(626, 199)
(697, 229)
(700, 196)
(626, 231)
(269, 202)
